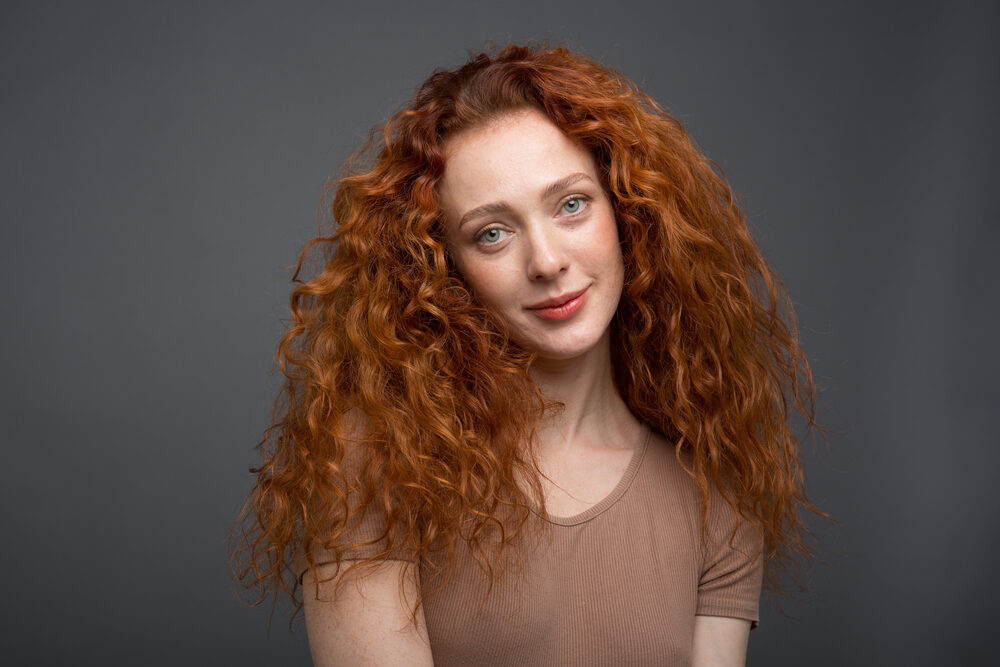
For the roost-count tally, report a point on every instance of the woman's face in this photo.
(533, 233)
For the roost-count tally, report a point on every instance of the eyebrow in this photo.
(503, 207)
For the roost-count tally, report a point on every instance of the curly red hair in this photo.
(704, 342)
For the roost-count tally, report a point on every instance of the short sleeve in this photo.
(363, 539)
(731, 573)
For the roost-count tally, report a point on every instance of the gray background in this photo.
(162, 167)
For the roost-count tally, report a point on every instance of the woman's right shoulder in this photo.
(371, 618)
(355, 427)
(358, 522)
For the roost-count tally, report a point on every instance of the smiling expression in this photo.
(533, 233)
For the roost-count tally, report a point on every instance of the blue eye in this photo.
(491, 236)
(573, 205)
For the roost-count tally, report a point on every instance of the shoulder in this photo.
(726, 555)
(660, 459)
(663, 492)
(665, 471)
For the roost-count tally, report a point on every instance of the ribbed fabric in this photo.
(618, 584)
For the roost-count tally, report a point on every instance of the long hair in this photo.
(704, 342)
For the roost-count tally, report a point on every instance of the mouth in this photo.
(561, 307)
(557, 301)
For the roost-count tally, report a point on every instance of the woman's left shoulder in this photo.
(666, 470)
(663, 464)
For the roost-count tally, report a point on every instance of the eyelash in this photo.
(581, 198)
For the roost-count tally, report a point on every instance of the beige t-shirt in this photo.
(619, 584)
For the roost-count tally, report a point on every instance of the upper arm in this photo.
(368, 622)
(720, 641)
(732, 571)
(366, 619)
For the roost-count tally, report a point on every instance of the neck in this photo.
(594, 416)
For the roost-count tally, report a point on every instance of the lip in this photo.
(560, 308)
(557, 301)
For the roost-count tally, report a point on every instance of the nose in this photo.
(547, 257)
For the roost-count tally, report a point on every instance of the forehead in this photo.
(509, 158)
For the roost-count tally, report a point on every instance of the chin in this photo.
(566, 350)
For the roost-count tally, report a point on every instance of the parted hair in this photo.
(403, 395)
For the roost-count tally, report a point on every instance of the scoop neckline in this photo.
(616, 493)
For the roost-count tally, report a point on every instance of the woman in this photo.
(537, 398)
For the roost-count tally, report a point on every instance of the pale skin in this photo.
(526, 221)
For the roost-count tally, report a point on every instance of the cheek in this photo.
(617, 267)
(486, 281)
(608, 245)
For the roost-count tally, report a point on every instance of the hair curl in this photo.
(704, 342)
